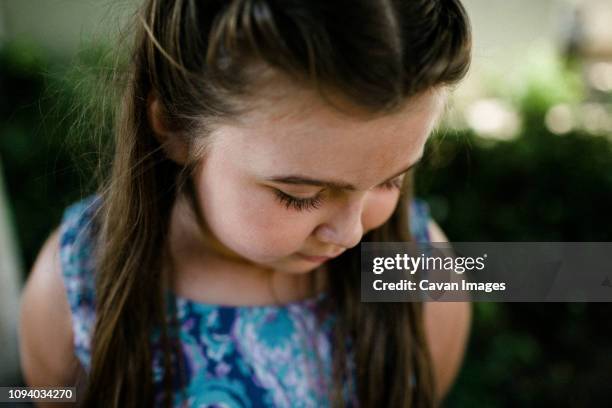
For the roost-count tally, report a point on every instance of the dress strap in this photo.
(419, 220)
(77, 263)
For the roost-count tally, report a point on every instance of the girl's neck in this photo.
(204, 271)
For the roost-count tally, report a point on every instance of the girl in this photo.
(257, 144)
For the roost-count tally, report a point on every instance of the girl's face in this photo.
(295, 182)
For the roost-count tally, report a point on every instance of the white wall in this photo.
(10, 283)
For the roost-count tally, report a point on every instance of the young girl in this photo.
(257, 144)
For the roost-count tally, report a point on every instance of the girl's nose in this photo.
(344, 228)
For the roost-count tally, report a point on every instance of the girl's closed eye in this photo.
(314, 202)
(299, 204)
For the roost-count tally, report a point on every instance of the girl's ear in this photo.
(172, 140)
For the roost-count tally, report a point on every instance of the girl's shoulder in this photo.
(57, 306)
(45, 323)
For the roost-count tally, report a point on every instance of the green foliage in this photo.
(540, 80)
(55, 120)
(539, 187)
(536, 187)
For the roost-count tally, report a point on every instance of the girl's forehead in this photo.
(297, 116)
(301, 132)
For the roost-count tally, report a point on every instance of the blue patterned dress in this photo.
(234, 356)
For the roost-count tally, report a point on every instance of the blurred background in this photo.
(524, 154)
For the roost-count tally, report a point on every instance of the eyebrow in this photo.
(333, 184)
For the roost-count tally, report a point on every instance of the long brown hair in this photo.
(201, 58)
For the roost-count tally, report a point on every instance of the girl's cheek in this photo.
(265, 228)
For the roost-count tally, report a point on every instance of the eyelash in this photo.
(313, 203)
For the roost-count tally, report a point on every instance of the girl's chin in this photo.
(294, 263)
